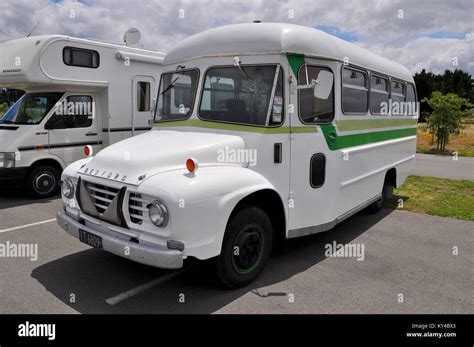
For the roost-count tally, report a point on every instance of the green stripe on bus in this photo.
(339, 142)
(295, 60)
(363, 124)
(236, 127)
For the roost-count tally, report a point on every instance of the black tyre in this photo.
(386, 193)
(43, 181)
(246, 248)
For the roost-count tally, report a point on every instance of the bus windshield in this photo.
(242, 94)
(176, 95)
(31, 108)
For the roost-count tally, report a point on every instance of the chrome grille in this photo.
(101, 195)
(137, 208)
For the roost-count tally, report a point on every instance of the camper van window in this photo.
(378, 93)
(74, 112)
(234, 96)
(143, 96)
(311, 109)
(176, 95)
(31, 108)
(80, 57)
(355, 91)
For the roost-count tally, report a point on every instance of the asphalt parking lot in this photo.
(408, 267)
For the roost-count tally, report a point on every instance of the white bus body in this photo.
(116, 84)
(252, 156)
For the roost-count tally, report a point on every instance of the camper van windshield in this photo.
(176, 95)
(30, 108)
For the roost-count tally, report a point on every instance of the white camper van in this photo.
(265, 132)
(80, 94)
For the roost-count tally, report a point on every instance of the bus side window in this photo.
(311, 109)
(355, 91)
(378, 93)
(411, 98)
(397, 94)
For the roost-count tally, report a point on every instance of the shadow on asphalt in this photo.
(14, 198)
(93, 276)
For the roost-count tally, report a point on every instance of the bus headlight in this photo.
(158, 213)
(7, 160)
(67, 188)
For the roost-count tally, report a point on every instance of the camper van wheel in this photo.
(43, 181)
(246, 248)
(386, 193)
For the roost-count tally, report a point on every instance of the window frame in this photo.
(83, 50)
(404, 83)
(203, 82)
(396, 80)
(67, 97)
(416, 98)
(139, 98)
(191, 108)
(389, 86)
(364, 71)
(333, 94)
(322, 155)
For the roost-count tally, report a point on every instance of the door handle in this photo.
(91, 134)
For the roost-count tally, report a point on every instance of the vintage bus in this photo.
(263, 132)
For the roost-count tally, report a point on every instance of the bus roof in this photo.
(269, 38)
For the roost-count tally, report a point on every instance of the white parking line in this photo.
(140, 289)
(27, 225)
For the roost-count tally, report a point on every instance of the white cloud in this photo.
(375, 23)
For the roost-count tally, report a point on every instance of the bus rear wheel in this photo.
(246, 248)
(43, 181)
(387, 191)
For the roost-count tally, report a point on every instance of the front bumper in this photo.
(14, 177)
(157, 256)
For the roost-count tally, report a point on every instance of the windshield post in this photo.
(270, 106)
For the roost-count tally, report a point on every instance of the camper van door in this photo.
(73, 126)
(143, 96)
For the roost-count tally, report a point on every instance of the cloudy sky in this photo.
(431, 34)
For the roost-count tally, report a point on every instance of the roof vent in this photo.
(257, 21)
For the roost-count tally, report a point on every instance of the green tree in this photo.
(446, 118)
(456, 81)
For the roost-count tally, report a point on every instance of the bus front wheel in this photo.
(246, 248)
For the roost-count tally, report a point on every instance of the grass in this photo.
(463, 143)
(436, 196)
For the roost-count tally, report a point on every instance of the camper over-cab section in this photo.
(34, 61)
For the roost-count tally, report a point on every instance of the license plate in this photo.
(90, 239)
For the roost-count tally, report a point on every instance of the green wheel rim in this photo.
(249, 236)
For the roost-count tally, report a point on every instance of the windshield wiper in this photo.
(5, 121)
(171, 85)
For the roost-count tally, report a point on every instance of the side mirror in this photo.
(323, 85)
